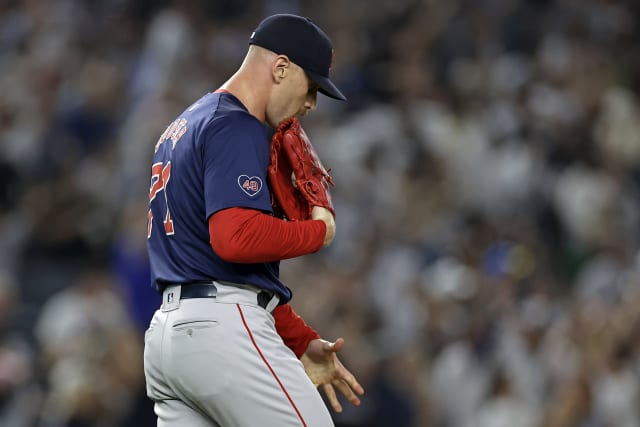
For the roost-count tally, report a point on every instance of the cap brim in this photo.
(326, 86)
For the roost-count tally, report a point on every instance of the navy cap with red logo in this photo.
(304, 43)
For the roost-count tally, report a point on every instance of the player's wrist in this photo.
(325, 215)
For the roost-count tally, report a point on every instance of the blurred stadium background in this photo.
(486, 271)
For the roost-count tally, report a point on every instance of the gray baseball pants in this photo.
(220, 362)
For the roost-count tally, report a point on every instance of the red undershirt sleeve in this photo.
(293, 330)
(249, 236)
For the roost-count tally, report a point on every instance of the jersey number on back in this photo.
(159, 178)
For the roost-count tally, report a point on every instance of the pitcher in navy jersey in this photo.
(226, 348)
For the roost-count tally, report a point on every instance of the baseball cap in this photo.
(304, 43)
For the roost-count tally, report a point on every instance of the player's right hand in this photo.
(323, 367)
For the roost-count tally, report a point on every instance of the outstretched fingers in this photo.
(347, 391)
(331, 396)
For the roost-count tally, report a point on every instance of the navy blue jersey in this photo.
(213, 156)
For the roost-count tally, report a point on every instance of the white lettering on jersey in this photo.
(173, 132)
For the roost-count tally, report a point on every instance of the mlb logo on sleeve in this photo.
(251, 185)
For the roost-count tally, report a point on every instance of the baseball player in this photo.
(226, 348)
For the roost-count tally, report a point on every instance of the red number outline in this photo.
(160, 176)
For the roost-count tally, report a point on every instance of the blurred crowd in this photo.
(486, 270)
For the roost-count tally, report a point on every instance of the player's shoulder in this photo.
(221, 117)
(203, 108)
(231, 110)
(232, 116)
(217, 110)
(220, 108)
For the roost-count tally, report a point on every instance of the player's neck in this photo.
(248, 90)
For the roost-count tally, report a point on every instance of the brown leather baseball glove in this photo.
(297, 179)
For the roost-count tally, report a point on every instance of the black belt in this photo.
(209, 290)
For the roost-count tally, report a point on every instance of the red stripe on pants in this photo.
(255, 344)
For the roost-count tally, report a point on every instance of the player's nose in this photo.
(311, 102)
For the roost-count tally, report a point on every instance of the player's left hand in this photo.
(325, 369)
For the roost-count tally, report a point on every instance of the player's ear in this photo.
(280, 68)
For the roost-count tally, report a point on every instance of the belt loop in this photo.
(273, 303)
(268, 301)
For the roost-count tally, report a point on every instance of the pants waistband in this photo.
(223, 292)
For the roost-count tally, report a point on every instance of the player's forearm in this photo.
(249, 236)
(293, 330)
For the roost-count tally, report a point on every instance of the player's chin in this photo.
(287, 118)
(275, 122)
